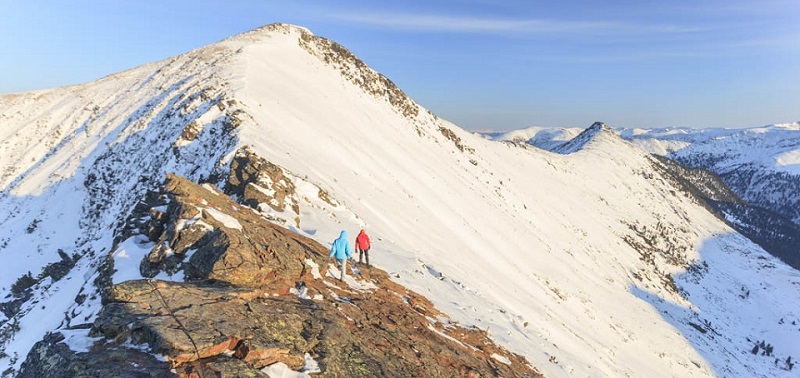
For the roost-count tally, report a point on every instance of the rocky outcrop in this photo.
(257, 181)
(256, 294)
(451, 136)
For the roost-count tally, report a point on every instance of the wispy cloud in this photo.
(637, 36)
(469, 24)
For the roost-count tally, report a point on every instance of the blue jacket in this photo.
(341, 248)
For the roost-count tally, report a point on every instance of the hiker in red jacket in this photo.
(362, 245)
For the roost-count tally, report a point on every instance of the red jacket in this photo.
(362, 241)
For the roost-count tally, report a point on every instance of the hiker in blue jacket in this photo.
(341, 249)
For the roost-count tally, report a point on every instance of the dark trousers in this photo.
(363, 252)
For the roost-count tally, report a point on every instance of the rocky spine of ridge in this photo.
(256, 294)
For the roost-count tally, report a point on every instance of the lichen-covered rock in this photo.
(52, 358)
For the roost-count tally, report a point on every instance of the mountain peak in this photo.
(266, 31)
(264, 41)
(599, 126)
(593, 132)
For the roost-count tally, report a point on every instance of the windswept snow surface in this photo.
(533, 246)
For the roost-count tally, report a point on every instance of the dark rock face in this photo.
(247, 304)
(258, 181)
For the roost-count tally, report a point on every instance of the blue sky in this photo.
(483, 64)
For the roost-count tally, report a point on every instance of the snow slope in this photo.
(589, 264)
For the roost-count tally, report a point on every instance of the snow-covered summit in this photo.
(597, 130)
(267, 31)
(587, 264)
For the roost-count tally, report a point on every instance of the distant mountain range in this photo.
(175, 220)
(761, 166)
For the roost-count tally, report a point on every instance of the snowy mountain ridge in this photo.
(758, 164)
(761, 164)
(587, 263)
